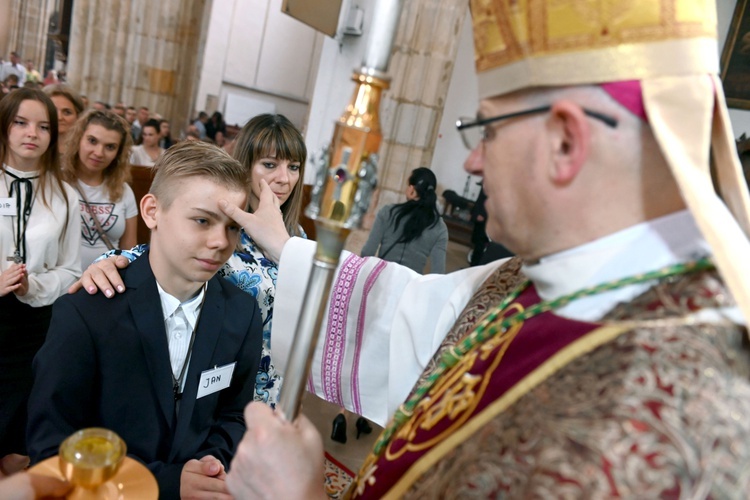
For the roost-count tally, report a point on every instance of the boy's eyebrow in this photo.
(207, 212)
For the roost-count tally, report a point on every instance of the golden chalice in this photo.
(89, 458)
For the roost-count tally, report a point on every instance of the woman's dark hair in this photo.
(274, 135)
(421, 213)
(154, 124)
(216, 124)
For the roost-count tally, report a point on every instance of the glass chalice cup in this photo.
(91, 457)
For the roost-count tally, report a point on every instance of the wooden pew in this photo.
(141, 183)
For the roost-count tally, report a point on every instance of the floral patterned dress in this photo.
(253, 273)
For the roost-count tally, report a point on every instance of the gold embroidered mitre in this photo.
(669, 46)
(529, 43)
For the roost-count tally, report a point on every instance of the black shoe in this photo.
(363, 426)
(338, 432)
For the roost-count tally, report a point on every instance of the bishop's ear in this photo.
(570, 140)
(149, 206)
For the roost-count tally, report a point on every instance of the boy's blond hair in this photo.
(196, 159)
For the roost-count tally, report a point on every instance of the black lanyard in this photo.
(23, 212)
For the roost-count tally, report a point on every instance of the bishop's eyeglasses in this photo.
(473, 130)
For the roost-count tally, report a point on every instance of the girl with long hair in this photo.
(410, 232)
(39, 247)
(96, 164)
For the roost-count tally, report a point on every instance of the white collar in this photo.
(21, 173)
(191, 307)
(647, 246)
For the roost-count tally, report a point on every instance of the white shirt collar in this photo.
(191, 307)
(21, 173)
(644, 247)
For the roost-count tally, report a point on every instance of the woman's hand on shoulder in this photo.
(102, 276)
(265, 226)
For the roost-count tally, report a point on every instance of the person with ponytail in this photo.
(409, 232)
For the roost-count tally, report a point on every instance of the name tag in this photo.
(8, 206)
(215, 379)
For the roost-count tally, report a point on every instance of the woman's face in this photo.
(66, 113)
(28, 136)
(164, 129)
(281, 176)
(150, 137)
(98, 149)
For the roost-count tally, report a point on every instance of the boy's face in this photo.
(192, 238)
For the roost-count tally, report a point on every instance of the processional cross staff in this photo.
(342, 195)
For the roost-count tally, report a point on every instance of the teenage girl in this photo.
(40, 247)
(96, 164)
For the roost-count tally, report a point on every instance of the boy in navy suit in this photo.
(170, 365)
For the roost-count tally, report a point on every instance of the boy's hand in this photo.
(265, 226)
(204, 478)
(102, 276)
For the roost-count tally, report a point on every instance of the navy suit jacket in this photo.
(105, 363)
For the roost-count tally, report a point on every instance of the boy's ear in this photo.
(149, 206)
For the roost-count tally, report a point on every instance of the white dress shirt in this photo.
(180, 318)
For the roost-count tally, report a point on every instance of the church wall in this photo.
(6, 47)
(257, 59)
(334, 89)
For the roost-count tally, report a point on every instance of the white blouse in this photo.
(53, 240)
(139, 156)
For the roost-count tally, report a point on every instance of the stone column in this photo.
(141, 52)
(28, 27)
(411, 111)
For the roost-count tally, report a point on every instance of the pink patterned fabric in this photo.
(333, 351)
(369, 283)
